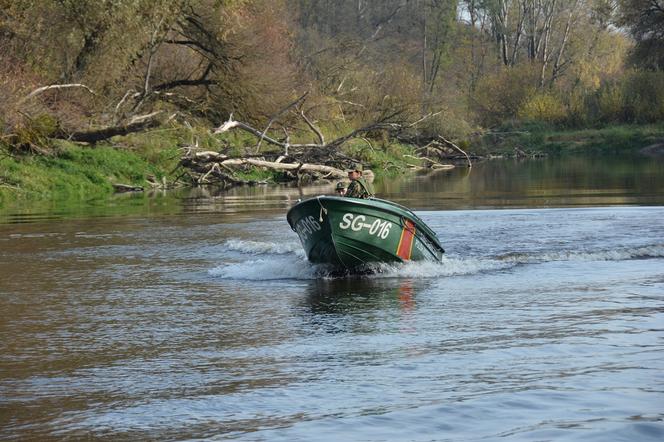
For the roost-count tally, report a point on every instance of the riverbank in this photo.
(63, 170)
(535, 140)
(81, 172)
(150, 160)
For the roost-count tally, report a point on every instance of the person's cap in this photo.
(356, 167)
(341, 185)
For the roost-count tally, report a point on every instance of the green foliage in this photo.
(383, 158)
(500, 96)
(80, 172)
(33, 134)
(645, 21)
(578, 114)
(537, 137)
(644, 96)
(636, 97)
(610, 102)
(543, 106)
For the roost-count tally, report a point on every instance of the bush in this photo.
(500, 96)
(644, 96)
(33, 135)
(610, 103)
(578, 111)
(543, 106)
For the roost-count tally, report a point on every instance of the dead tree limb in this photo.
(368, 128)
(383, 123)
(434, 164)
(56, 86)
(122, 188)
(454, 146)
(208, 156)
(136, 124)
(304, 167)
(429, 115)
(122, 101)
(311, 125)
(231, 124)
(277, 115)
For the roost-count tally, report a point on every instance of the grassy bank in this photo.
(78, 172)
(75, 172)
(539, 138)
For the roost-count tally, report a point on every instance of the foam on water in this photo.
(262, 248)
(265, 269)
(296, 267)
(287, 261)
(617, 254)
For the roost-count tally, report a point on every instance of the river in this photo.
(194, 316)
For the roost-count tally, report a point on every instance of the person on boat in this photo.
(358, 187)
(340, 189)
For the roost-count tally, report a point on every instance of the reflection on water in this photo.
(195, 316)
(552, 182)
(238, 200)
(344, 295)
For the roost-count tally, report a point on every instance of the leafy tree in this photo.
(645, 21)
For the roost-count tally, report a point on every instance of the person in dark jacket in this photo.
(358, 188)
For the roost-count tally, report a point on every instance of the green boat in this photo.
(352, 233)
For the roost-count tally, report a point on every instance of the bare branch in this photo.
(56, 86)
(429, 115)
(231, 124)
(454, 146)
(277, 115)
(124, 98)
(317, 131)
(151, 53)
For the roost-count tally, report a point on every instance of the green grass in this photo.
(79, 172)
(542, 138)
(385, 159)
(85, 173)
(259, 174)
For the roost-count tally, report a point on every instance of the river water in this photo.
(196, 317)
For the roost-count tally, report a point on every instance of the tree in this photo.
(645, 21)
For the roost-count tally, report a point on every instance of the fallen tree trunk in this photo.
(122, 188)
(449, 143)
(433, 164)
(329, 171)
(210, 167)
(137, 124)
(231, 124)
(307, 161)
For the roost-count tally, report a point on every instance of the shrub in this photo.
(500, 96)
(610, 103)
(543, 106)
(644, 96)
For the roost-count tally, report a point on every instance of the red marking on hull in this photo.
(405, 247)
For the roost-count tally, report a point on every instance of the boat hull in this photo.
(353, 233)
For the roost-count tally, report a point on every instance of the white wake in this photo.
(276, 261)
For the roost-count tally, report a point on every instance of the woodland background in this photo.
(457, 68)
(480, 62)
